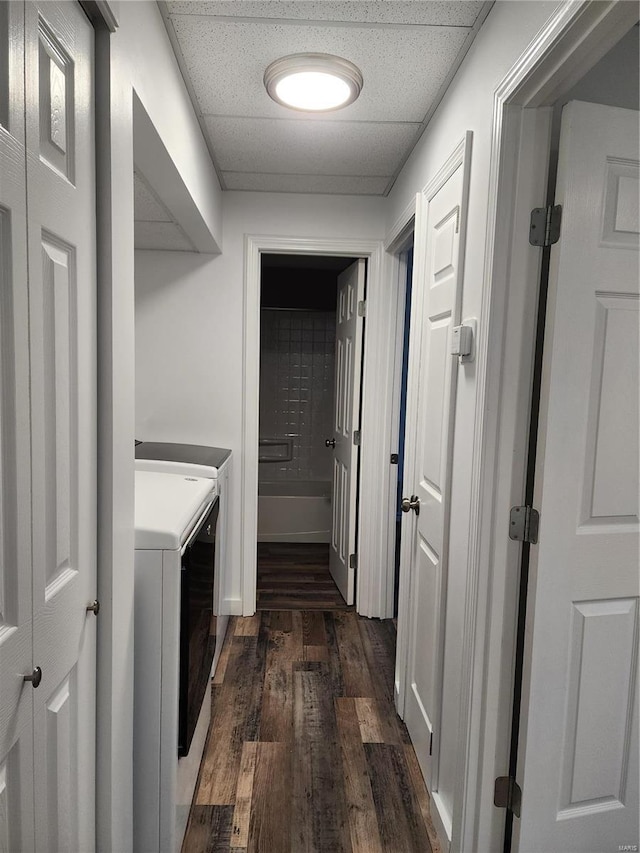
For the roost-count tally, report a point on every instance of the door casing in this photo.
(372, 584)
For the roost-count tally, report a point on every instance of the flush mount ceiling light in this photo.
(313, 82)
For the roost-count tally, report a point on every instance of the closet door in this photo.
(62, 303)
(16, 696)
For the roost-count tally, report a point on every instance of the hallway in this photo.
(306, 752)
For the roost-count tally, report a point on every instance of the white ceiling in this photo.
(407, 53)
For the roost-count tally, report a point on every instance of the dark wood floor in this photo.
(306, 753)
(295, 576)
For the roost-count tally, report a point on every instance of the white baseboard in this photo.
(441, 821)
(233, 606)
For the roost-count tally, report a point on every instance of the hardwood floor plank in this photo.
(271, 804)
(335, 664)
(422, 795)
(209, 830)
(369, 720)
(236, 719)
(247, 626)
(316, 653)
(244, 793)
(223, 660)
(281, 620)
(313, 629)
(399, 817)
(363, 822)
(319, 818)
(379, 649)
(284, 648)
(355, 669)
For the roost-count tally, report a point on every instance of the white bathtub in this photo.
(294, 511)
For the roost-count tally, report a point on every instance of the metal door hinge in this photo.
(353, 561)
(362, 308)
(507, 794)
(524, 522)
(431, 744)
(544, 228)
(356, 437)
(394, 459)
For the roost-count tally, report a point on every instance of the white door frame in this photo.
(576, 36)
(396, 243)
(372, 579)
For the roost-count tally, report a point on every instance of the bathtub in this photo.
(294, 511)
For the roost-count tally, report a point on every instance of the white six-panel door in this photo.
(16, 698)
(58, 576)
(348, 367)
(434, 373)
(578, 754)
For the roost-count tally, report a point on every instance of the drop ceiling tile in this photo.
(329, 184)
(309, 147)
(146, 205)
(226, 64)
(383, 11)
(164, 236)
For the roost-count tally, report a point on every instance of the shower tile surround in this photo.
(296, 391)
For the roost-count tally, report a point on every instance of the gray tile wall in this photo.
(296, 391)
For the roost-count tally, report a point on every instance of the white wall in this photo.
(468, 105)
(137, 57)
(189, 326)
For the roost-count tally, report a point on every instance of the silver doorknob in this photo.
(330, 442)
(412, 503)
(94, 607)
(35, 678)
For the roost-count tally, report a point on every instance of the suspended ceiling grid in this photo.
(408, 53)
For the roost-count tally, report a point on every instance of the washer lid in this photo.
(166, 508)
(210, 458)
(168, 466)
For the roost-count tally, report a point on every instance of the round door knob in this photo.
(412, 503)
(330, 442)
(35, 678)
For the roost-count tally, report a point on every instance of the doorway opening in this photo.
(301, 507)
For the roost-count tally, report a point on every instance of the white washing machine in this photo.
(199, 461)
(175, 524)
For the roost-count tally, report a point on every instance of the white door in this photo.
(16, 698)
(348, 367)
(60, 281)
(433, 372)
(578, 757)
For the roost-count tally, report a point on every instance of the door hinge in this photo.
(544, 228)
(362, 308)
(431, 744)
(507, 794)
(356, 437)
(394, 459)
(353, 561)
(524, 523)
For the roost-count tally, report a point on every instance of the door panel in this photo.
(16, 697)
(434, 373)
(61, 762)
(62, 286)
(349, 330)
(578, 755)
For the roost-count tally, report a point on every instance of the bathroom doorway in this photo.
(297, 515)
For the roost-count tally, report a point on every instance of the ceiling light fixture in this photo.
(313, 82)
